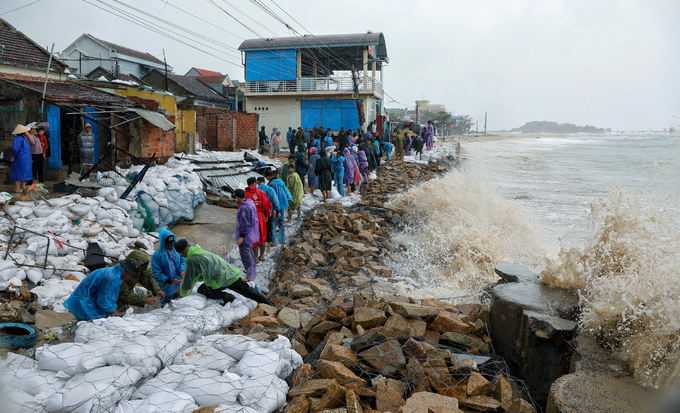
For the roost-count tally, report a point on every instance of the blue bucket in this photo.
(15, 335)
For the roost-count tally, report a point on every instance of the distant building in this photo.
(19, 55)
(397, 115)
(425, 107)
(88, 53)
(307, 80)
(196, 91)
(221, 83)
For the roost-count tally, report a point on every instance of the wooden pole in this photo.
(47, 74)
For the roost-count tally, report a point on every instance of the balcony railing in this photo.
(316, 84)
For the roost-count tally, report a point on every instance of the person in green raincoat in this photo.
(216, 275)
(294, 185)
(126, 295)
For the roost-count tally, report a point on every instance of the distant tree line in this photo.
(554, 127)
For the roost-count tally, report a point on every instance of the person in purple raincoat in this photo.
(349, 169)
(408, 141)
(430, 135)
(363, 163)
(247, 232)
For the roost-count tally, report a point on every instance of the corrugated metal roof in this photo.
(333, 40)
(155, 118)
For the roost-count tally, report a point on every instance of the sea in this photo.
(598, 214)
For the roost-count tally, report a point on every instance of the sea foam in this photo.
(628, 275)
(457, 230)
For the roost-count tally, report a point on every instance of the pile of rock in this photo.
(378, 355)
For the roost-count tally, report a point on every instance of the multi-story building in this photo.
(329, 80)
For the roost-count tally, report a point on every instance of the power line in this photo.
(291, 17)
(237, 20)
(18, 8)
(250, 18)
(150, 27)
(205, 21)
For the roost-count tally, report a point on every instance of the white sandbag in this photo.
(102, 214)
(34, 275)
(163, 401)
(264, 393)
(290, 359)
(207, 356)
(258, 361)
(34, 382)
(118, 376)
(89, 397)
(106, 191)
(17, 401)
(42, 212)
(6, 265)
(79, 210)
(20, 274)
(169, 344)
(129, 353)
(334, 193)
(211, 391)
(8, 273)
(69, 358)
(234, 345)
(168, 379)
(234, 408)
(197, 301)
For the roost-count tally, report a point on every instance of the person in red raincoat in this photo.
(263, 207)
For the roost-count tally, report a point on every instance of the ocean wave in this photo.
(627, 273)
(458, 230)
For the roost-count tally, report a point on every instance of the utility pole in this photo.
(485, 123)
(416, 112)
(477, 126)
(166, 70)
(80, 63)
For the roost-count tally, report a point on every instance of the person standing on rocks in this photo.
(289, 137)
(96, 296)
(284, 196)
(408, 141)
(418, 147)
(284, 167)
(271, 196)
(301, 139)
(363, 162)
(349, 169)
(296, 189)
(263, 207)
(216, 275)
(324, 170)
(429, 134)
(301, 165)
(262, 139)
(338, 162)
(247, 232)
(398, 141)
(312, 179)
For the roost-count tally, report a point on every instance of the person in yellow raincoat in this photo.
(294, 185)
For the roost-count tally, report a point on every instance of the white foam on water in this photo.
(628, 274)
(458, 229)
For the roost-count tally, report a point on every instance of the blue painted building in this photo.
(332, 81)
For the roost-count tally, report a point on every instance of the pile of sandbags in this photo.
(158, 361)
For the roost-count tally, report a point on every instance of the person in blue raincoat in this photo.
(22, 166)
(271, 225)
(283, 195)
(167, 266)
(96, 296)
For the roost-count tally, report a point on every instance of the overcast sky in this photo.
(608, 63)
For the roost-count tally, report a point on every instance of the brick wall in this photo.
(156, 140)
(216, 126)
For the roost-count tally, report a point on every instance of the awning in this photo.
(155, 118)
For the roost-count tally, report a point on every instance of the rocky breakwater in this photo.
(531, 325)
(364, 354)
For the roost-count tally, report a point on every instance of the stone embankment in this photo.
(364, 354)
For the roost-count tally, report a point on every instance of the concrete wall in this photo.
(275, 111)
(16, 106)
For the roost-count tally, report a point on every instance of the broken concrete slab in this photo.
(514, 273)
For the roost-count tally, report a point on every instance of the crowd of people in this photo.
(31, 148)
(320, 159)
